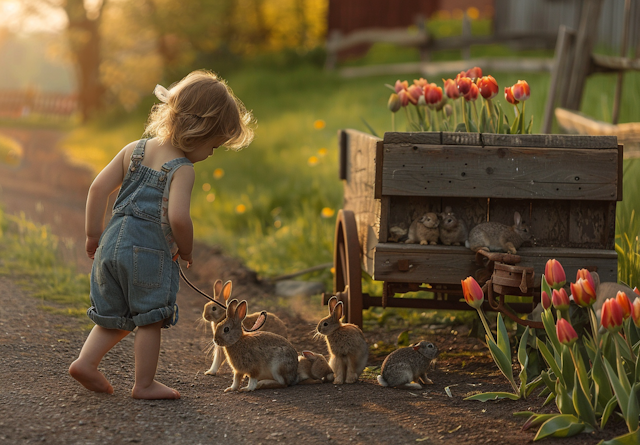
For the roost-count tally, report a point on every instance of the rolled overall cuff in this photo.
(122, 323)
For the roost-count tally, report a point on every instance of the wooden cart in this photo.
(565, 187)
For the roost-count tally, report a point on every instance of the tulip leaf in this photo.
(549, 359)
(601, 381)
(391, 87)
(369, 127)
(632, 438)
(532, 385)
(445, 125)
(546, 378)
(503, 337)
(608, 409)
(534, 419)
(550, 329)
(563, 425)
(550, 398)
(530, 126)
(623, 348)
(563, 400)
(582, 405)
(487, 396)
(581, 370)
(500, 121)
(621, 395)
(461, 128)
(632, 409)
(515, 127)
(568, 369)
(503, 362)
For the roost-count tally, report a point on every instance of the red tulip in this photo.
(451, 88)
(488, 87)
(414, 94)
(566, 334)
(399, 86)
(420, 82)
(521, 90)
(635, 313)
(433, 94)
(546, 301)
(583, 293)
(554, 274)
(473, 93)
(560, 299)
(636, 290)
(586, 275)
(472, 292)
(404, 97)
(474, 73)
(509, 96)
(394, 103)
(464, 85)
(612, 315)
(624, 303)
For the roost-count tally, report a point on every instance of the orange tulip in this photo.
(625, 304)
(508, 95)
(488, 87)
(472, 291)
(612, 315)
(414, 94)
(399, 86)
(560, 299)
(545, 300)
(404, 97)
(473, 93)
(394, 103)
(451, 88)
(433, 94)
(521, 90)
(420, 82)
(554, 274)
(583, 293)
(474, 73)
(586, 275)
(464, 85)
(566, 334)
(635, 312)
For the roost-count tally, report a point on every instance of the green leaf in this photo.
(563, 400)
(485, 122)
(581, 371)
(601, 381)
(618, 389)
(626, 439)
(608, 409)
(582, 404)
(530, 126)
(550, 329)
(568, 369)
(461, 128)
(371, 130)
(522, 348)
(534, 419)
(550, 398)
(633, 409)
(563, 425)
(503, 362)
(503, 338)
(403, 339)
(532, 385)
(516, 125)
(487, 396)
(500, 122)
(550, 360)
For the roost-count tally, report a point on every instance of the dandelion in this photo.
(277, 224)
(241, 208)
(323, 151)
(218, 173)
(333, 271)
(313, 160)
(473, 13)
(319, 124)
(211, 197)
(327, 212)
(206, 187)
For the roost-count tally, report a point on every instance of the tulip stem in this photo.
(627, 328)
(455, 115)
(393, 122)
(489, 105)
(485, 324)
(594, 326)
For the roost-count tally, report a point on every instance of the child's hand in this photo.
(188, 258)
(91, 245)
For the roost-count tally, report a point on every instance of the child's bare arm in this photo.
(179, 211)
(107, 181)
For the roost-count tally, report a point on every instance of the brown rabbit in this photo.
(406, 365)
(215, 314)
(313, 368)
(453, 230)
(424, 230)
(496, 237)
(268, 359)
(347, 346)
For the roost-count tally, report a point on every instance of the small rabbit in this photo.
(268, 359)
(496, 237)
(313, 368)
(453, 230)
(406, 365)
(215, 314)
(397, 232)
(348, 349)
(424, 230)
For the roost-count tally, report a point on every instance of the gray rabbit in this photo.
(424, 230)
(453, 230)
(497, 237)
(406, 365)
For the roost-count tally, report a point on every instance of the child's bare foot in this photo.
(90, 377)
(154, 391)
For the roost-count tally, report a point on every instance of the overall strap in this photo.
(169, 168)
(137, 155)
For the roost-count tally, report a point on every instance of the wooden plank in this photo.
(450, 138)
(505, 172)
(408, 137)
(549, 140)
(396, 36)
(607, 64)
(561, 52)
(342, 138)
(378, 162)
(450, 264)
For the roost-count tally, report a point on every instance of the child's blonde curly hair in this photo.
(199, 107)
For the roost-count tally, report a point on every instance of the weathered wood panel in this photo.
(360, 170)
(450, 264)
(549, 141)
(407, 137)
(504, 172)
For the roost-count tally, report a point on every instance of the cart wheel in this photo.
(347, 278)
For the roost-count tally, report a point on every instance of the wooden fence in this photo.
(18, 104)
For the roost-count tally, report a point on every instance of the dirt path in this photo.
(39, 402)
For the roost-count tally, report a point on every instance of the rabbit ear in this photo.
(226, 290)
(231, 308)
(332, 303)
(517, 219)
(308, 354)
(260, 321)
(217, 288)
(337, 311)
(241, 310)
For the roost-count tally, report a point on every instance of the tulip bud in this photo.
(404, 97)
(508, 95)
(464, 85)
(451, 89)
(583, 293)
(560, 299)
(624, 303)
(472, 291)
(545, 300)
(636, 290)
(521, 90)
(488, 87)
(473, 93)
(586, 275)
(566, 334)
(420, 82)
(611, 315)
(554, 274)
(399, 86)
(448, 109)
(394, 103)
(433, 94)
(474, 73)
(635, 312)
(414, 94)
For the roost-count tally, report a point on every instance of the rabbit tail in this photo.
(382, 381)
(466, 244)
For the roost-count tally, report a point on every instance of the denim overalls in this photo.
(134, 281)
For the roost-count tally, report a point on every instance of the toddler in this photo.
(135, 275)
